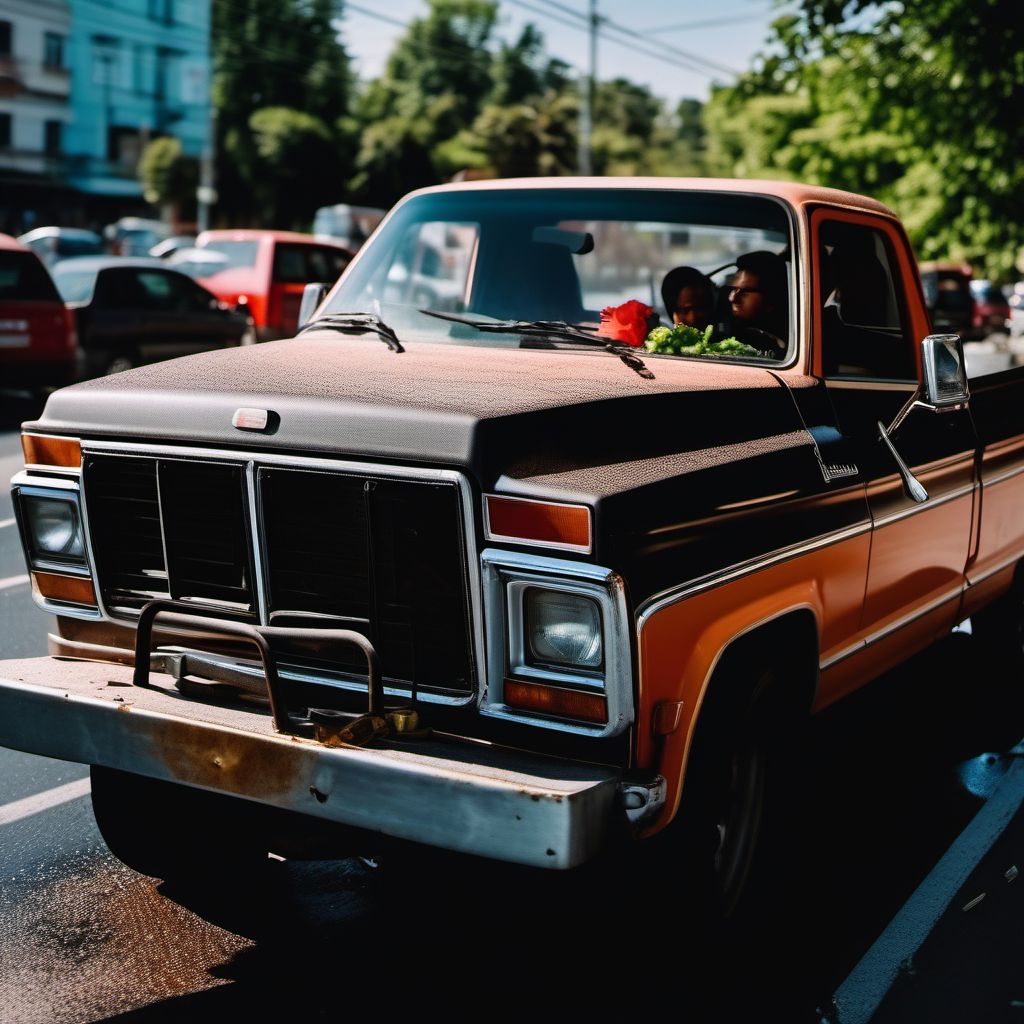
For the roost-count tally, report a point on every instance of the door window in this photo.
(864, 327)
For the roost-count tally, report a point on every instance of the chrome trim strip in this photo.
(942, 499)
(582, 549)
(501, 568)
(881, 634)
(71, 611)
(673, 595)
(864, 384)
(1007, 475)
(1004, 564)
(258, 460)
(256, 546)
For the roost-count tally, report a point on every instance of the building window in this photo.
(161, 10)
(51, 140)
(5, 130)
(6, 35)
(53, 50)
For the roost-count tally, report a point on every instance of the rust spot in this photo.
(535, 798)
(551, 853)
(321, 798)
(230, 762)
(124, 705)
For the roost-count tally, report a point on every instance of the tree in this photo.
(274, 54)
(287, 141)
(169, 177)
(917, 103)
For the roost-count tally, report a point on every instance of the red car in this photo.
(38, 343)
(267, 270)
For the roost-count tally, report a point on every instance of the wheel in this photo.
(174, 832)
(733, 806)
(248, 336)
(118, 363)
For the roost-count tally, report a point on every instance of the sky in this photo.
(726, 33)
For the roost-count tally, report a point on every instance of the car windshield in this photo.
(237, 253)
(562, 254)
(74, 284)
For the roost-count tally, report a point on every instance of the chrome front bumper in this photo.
(461, 795)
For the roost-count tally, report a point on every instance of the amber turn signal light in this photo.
(73, 589)
(553, 700)
(42, 450)
(537, 522)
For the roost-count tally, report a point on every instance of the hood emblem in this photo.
(251, 419)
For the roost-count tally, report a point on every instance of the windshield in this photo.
(75, 284)
(236, 253)
(567, 254)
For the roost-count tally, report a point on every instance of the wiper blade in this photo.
(560, 329)
(357, 323)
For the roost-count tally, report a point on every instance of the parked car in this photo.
(169, 246)
(1015, 300)
(991, 313)
(504, 586)
(132, 311)
(134, 236)
(38, 346)
(53, 244)
(349, 226)
(267, 270)
(948, 296)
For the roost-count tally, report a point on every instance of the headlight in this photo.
(54, 529)
(563, 629)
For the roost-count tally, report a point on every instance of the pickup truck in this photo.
(489, 578)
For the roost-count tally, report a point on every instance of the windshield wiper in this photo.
(357, 323)
(559, 329)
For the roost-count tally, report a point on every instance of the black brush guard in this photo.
(181, 615)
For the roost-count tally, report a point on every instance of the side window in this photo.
(290, 265)
(326, 265)
(864, 327)
(121, 289)
(157, 289)
(186, 296)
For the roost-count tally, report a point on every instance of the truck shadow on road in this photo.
(885, 796)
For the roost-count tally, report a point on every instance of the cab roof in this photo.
(792, 193)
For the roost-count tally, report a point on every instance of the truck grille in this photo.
(382, 555)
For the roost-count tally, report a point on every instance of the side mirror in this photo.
(312, 296)
(945, 372)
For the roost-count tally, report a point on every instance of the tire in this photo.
(174, 832)
(119, 363)
(736, 798)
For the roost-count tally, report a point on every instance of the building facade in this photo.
(35, 109)
(84, 85)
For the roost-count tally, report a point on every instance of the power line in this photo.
(679, 26)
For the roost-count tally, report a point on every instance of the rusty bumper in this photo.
(460, 795)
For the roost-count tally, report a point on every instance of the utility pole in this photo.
(206, 193)
(587, 93)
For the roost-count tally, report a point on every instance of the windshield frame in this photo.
(795, 225)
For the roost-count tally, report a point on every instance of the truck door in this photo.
(869, 319)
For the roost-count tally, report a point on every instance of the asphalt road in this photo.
(892, 777)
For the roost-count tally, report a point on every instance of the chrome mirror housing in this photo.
(945, 373)
(312, 296)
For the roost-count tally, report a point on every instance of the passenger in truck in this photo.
(689, 297)
(758, 302)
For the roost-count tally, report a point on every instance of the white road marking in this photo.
(7, 522)
(863, 991)
(30, 805)
(14, 581)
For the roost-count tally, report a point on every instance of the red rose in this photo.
(626, 323)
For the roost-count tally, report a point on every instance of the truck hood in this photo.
(521, 414)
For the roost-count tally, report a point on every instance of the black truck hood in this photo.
(524, 416)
